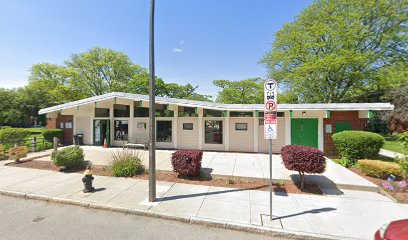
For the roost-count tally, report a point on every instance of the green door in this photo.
(304, 132)
(101, 132)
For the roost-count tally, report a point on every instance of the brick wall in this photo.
(340, 116)
(53, 123)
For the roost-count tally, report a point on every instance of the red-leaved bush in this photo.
(303, 159)
(187, 163)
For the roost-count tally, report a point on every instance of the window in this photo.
(61, 125)
(241, 114)
(187, 112)
(102, 112)
(68, 124)
(212, 113)
(163, 111)
(141, 125)
(187, 126)
(121, 130)
(241, 126)
(163, 132)
(213, 132)
(279, 114)
(140, 111)
(121, 110)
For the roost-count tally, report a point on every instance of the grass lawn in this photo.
(392, 144)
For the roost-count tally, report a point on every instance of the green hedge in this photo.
(379, 169)
(49, 134)
(354, 145)
(69, 157)
(11, 136)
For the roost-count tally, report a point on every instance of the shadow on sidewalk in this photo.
(313, 211)
(163, 199)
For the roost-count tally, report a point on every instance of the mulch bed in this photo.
(231, 182)
(400, 195)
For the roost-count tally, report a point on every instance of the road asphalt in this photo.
(32, 219)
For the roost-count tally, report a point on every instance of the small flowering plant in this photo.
(397, 186)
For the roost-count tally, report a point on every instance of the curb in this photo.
(270, 231)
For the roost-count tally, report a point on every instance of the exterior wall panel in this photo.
(187, 139)
(241, 140)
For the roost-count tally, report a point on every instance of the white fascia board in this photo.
(223, 107)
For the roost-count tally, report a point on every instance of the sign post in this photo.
(270, 126)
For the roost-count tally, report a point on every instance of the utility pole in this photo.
(152, 111)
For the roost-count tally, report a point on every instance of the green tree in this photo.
(242, 92)
(10, 112)
(337, 50)
(100, 71)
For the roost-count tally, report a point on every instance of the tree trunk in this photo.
(302, 180)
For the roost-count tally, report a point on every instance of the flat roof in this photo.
(221, 106)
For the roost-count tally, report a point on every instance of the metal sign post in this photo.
(270, 126)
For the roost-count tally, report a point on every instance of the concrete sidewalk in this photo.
(244, 165)
(347, 214)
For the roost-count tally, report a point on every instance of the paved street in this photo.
(31, 219)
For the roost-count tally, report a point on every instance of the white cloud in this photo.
(176, 50)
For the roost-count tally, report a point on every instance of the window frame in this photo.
(241, 129)
(188, 129)
(220, 132)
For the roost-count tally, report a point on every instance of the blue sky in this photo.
(197, 41)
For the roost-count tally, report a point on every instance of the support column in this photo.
(175, 126)
(226, 131)
(320, 136)
(288, 132)
(200, 128)
(131, 120)
(112, 124)
(256, 130)
(91, 139)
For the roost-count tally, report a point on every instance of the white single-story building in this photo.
(186, 124)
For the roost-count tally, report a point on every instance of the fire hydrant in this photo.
(87, 180)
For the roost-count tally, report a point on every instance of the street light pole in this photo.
(152, 111)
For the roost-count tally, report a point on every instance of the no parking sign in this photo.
(270, 108)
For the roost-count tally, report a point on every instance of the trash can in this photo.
(79, 139)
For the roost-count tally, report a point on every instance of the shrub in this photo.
(49, 134)
(187, 163)
(304, 160)
(354, 145)
(378, 169)
(11, 136)
(403, 163)
(403, 139)
(44, 146)
(126, 163)
(69, 157)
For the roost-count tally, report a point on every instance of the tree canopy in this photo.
(95, 72)
(341, 50)
(241, 92)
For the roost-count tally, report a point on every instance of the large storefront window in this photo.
(163, 131)
(213, 132)
(121, 129)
